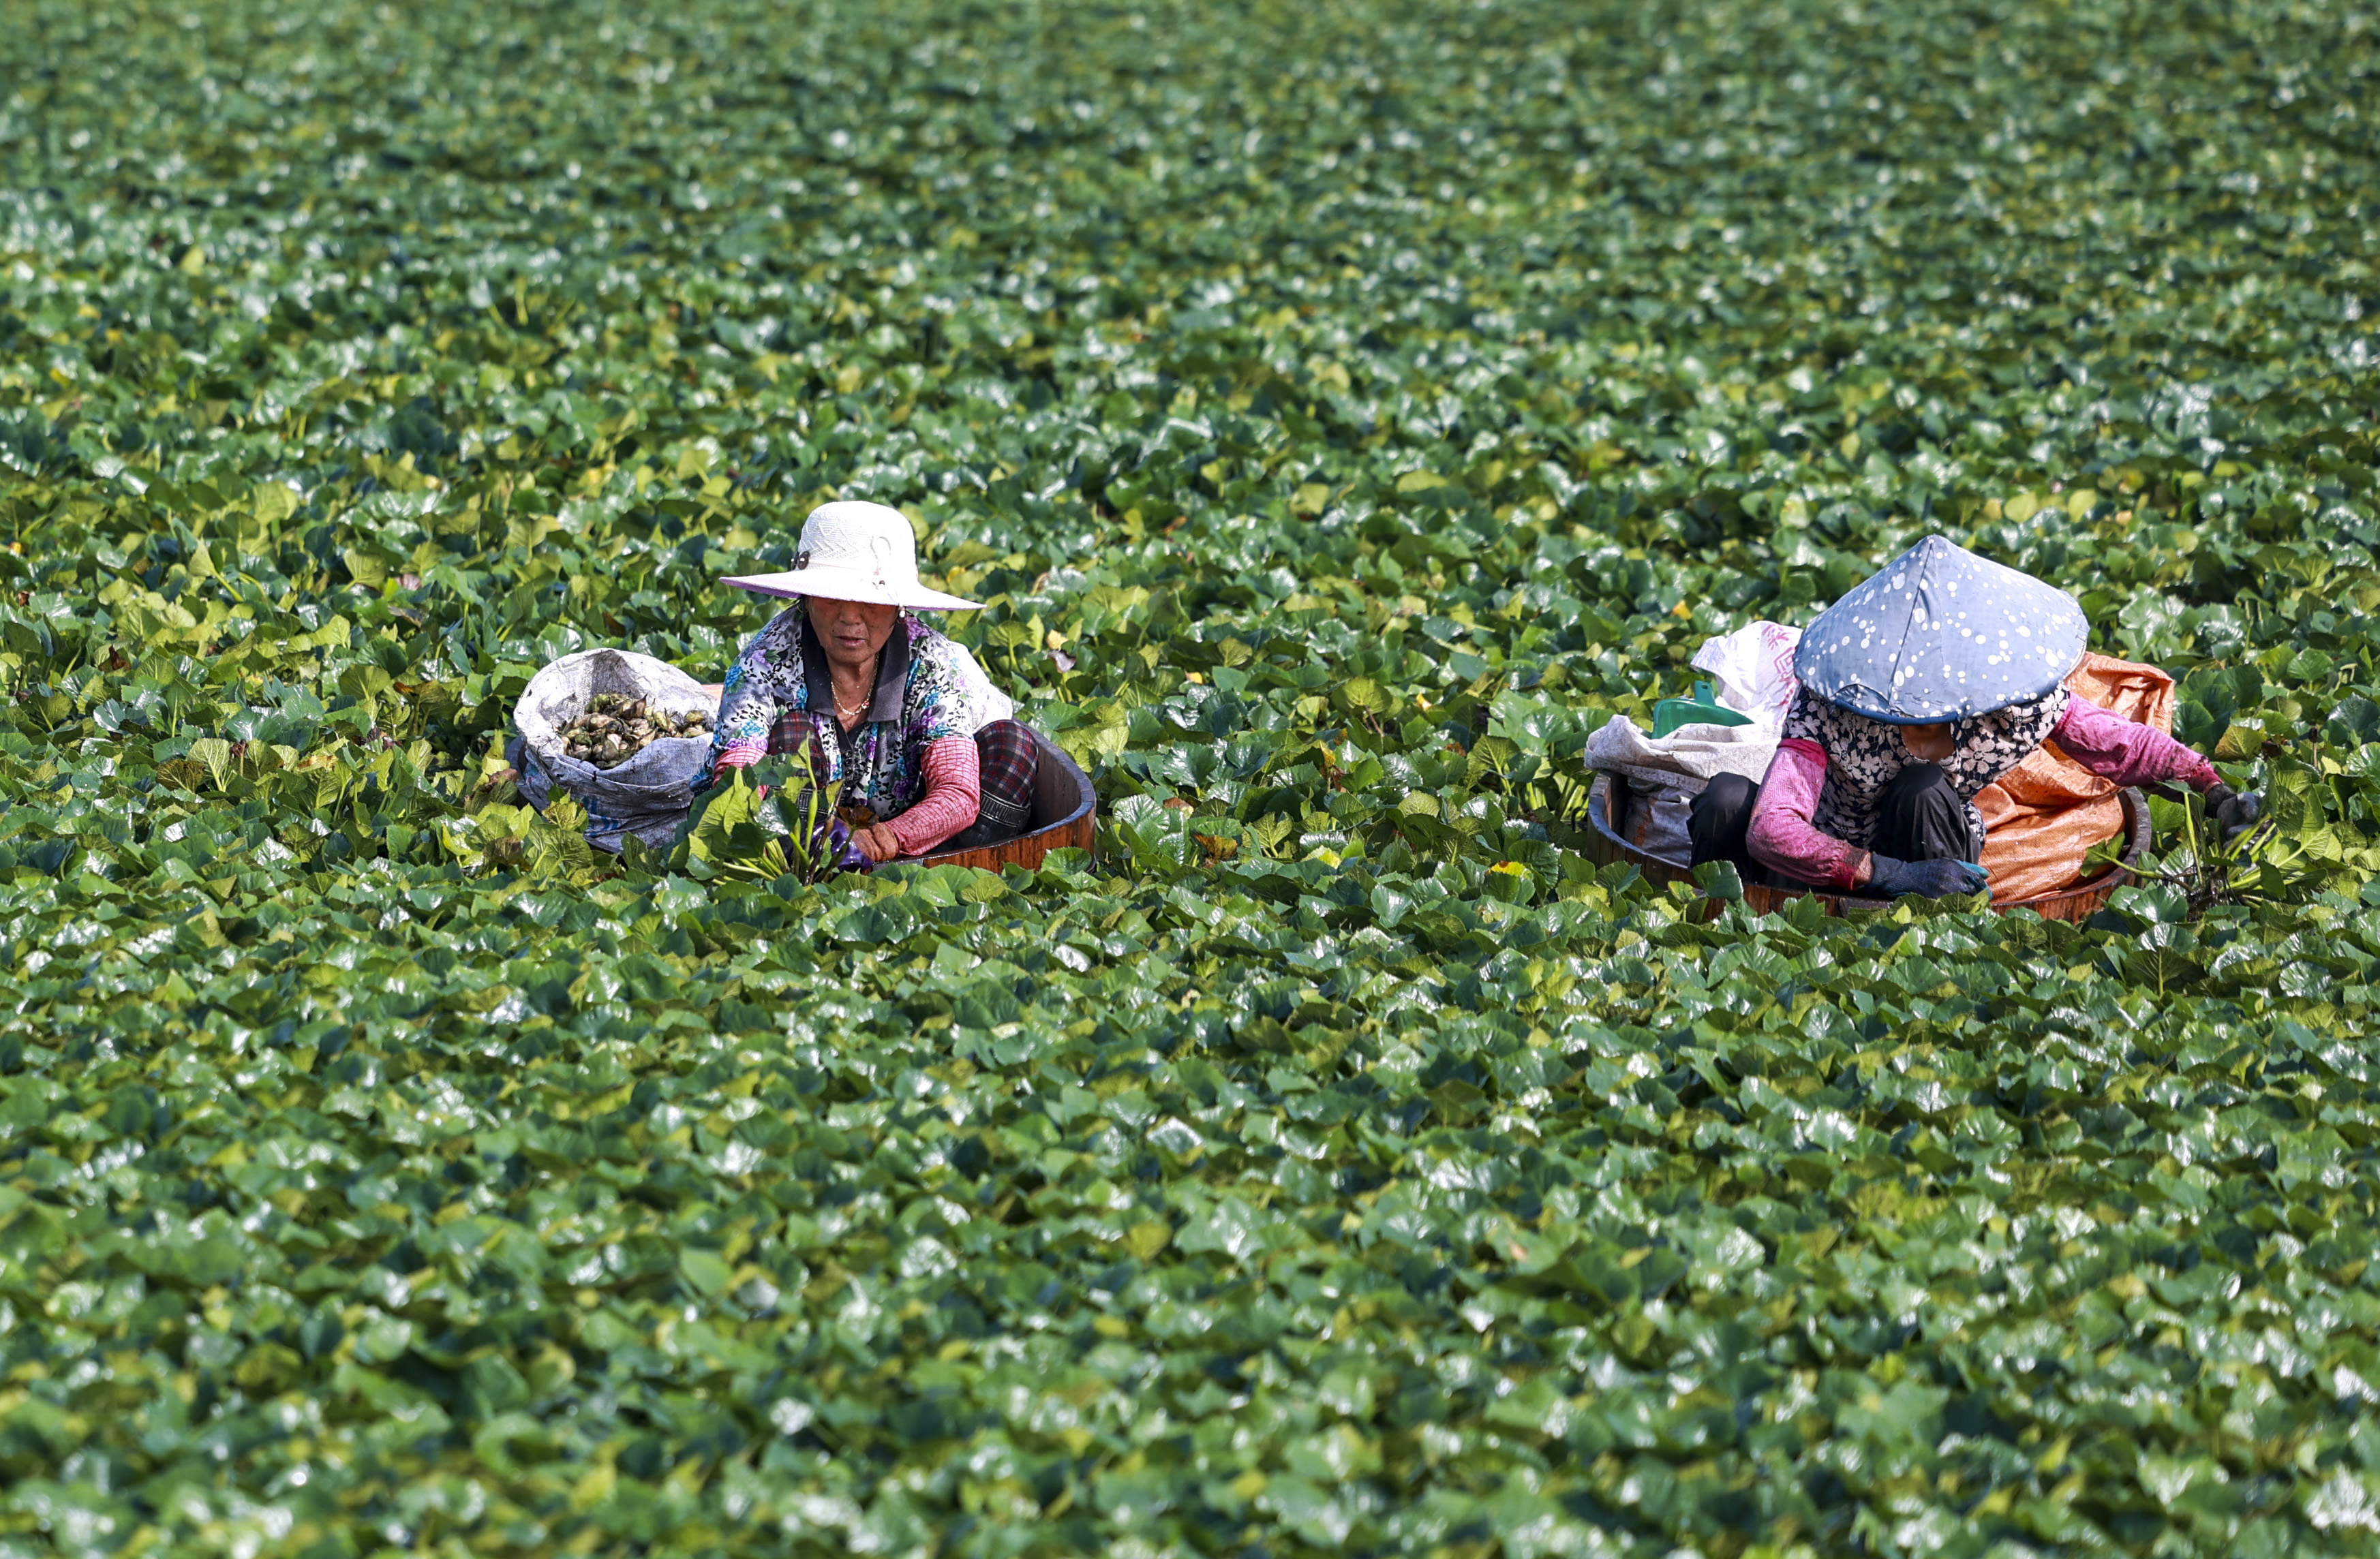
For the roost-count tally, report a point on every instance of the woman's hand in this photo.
(879, 841)
(1890, 878)
(2234, 812)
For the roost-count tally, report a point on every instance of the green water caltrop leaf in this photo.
(1339, 412)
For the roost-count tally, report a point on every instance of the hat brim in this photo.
(850, 584)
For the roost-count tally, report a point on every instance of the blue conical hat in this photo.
(1939, 634)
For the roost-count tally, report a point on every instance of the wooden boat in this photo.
(1609, 799)
(1064, 814)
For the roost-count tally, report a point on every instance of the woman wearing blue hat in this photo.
(1919, 688)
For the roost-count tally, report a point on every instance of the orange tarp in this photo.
(2044, 815)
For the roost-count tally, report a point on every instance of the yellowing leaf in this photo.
(271, 502)
(215, 753)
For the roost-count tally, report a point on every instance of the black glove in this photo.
(2233, 813)
(1889, 878)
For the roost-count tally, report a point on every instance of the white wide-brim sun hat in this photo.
(855, 551)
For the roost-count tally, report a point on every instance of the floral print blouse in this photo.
(1863, 755)
(779, 692)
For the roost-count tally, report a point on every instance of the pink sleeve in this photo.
(2125, 751)
(1782, 836)
(953, 795)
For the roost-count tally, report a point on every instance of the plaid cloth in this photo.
(1010, 761)
(792, 729)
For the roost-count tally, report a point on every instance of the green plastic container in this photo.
(1703, 709)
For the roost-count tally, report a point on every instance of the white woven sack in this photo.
(644, 795)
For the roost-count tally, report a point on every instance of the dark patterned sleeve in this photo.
(1805, 719)
(2018, 729)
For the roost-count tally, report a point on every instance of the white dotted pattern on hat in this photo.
(1946, 633)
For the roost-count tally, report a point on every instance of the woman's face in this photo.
(1931, 743)
(851, 632)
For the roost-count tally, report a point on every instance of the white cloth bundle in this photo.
(1753, 669)
(1688, 756)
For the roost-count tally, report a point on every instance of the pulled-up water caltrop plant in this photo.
(1343, 408)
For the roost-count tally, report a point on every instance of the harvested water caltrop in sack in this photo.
(616, 727)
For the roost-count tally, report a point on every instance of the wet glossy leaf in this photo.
(1339, 412)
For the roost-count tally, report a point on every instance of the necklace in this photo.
(846, 713)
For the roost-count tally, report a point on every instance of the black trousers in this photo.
(1919, 817)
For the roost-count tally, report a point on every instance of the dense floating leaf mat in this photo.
(1343, 408)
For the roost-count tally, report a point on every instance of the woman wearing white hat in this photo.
(902, 715)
